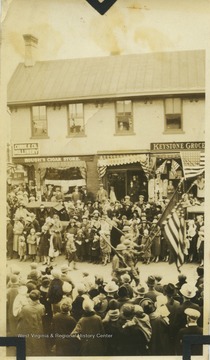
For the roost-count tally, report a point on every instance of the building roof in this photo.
(149, 74)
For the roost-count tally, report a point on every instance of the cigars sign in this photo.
(178, 146)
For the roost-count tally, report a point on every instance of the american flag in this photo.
(174, 167)
(161, 168)
(193, 163)
(174, 233)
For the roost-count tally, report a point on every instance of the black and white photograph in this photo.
(104, 176)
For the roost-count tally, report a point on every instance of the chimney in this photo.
(30, 49)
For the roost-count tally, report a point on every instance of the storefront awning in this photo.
(112, 160)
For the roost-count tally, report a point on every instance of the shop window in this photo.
(76, 119)
(39, 121)
(173, 115)
(124, 117)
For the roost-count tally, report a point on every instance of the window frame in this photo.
(117, 118)
(38, 136)
(69, 132)
(170, 116)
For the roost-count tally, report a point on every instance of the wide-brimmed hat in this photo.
(150, 280)
(140, 290)
(126, 228)
(188, 290)
(121, 247)
(65, 268)
(169, 289)
(56, 274)
(111, 287)
(34, 275)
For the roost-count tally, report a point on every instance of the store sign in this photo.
(177, 146)
(50, 159)
(26, 149)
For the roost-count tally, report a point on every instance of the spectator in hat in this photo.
(77, 310)
(146, 247)
(66, 275)
(112, 326)
(63, 323)
(158, 285)
(41, 215)
(44, 300)
(140, 292)
(76, 195)
(160, 339)
(172, 305)
(137, 344)
(30, 322)
(102, 194)
(17, 231)
(191, 328)
(188, 292)
(152, 293)
(10, 236)
(95, 249)
(90, 324)
(32, 244)
(12, 292)
(111, 289)
(55, 291)
(125, 280)
(44, 244)
(20, 300)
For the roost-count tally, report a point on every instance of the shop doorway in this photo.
(127, 181)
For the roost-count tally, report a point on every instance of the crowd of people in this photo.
(88, 230)
(98, 318)
(119, 317)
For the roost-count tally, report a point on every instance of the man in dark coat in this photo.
(63, 324)
(191, 329)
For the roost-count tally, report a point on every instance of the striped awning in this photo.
(112, 160)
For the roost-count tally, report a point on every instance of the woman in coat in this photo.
(32, 245)
(30, 324)
(90, 330)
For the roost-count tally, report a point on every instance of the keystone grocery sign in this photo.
(177, 146)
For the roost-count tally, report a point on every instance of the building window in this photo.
(124, 117)
(173, 115)
(76, 119)
(39, 121)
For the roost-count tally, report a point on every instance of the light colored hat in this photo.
(88, 305)
(67, 288)
(193, 313)
(56, 273)
(126, 228)
(121, 247)
(188, 290)
(65, 268)
(111, 287)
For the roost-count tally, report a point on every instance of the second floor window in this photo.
(76, 119)
(173, 115)
(124, 117)
(39, 121)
